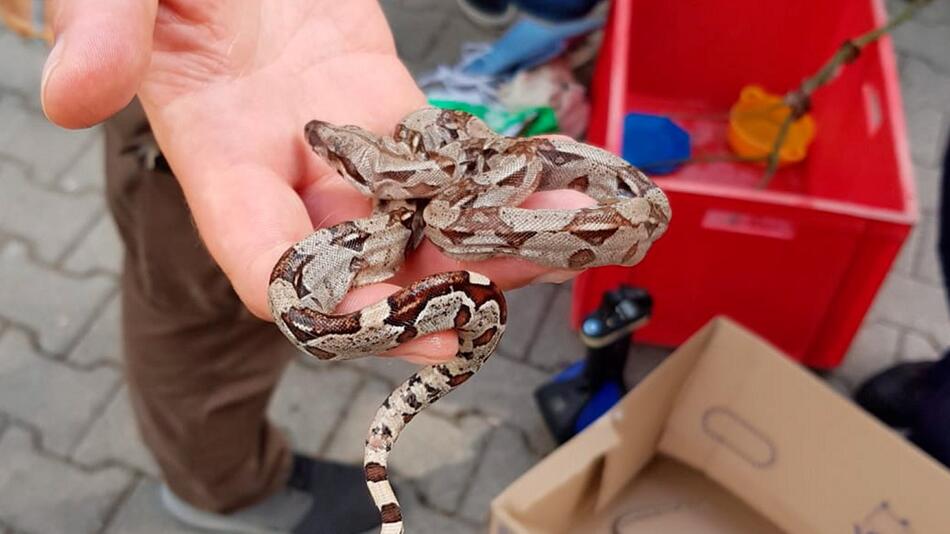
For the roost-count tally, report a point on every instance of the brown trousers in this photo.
(200, 368)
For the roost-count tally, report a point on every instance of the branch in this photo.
(799, 100)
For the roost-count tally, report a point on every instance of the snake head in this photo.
(340, 146)
(319, 134)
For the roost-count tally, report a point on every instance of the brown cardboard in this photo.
(779, 451)
(669, 497)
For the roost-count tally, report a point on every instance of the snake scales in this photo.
(446, 176)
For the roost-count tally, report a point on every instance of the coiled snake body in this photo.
(446, 176)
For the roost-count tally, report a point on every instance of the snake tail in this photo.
(479, 319)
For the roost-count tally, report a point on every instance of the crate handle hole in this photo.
(873, 113)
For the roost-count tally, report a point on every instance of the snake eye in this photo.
(624, 190)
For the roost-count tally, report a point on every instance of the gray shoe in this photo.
(319, 498)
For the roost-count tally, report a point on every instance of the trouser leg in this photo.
(200, 368)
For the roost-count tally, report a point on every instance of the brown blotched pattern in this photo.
(447, 176)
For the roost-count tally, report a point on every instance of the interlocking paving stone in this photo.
(392, 370)
(48, 149)
(936, 13)
(502, 390)
(928, 130)
(12, 117)
(142, 513)
(347, 442)
(874, 348)
(425, 24)
(437, 454)
(58, 400)
(22, 61)
(447, 46)
(506, 458)
(927, 266)
(114, 436)
(838, 385)
(914, 304)
(100, 250)
(48, 496)
(923, 87)
(89, 171)
(926, 98)
(909, 256)
(53, 306)
(928, 188)
(422, 519)
(440, 456)
(50, 220)
(929, 42)
(557, 345)
(311, 406)
(915, 347)
(525, 309)
(308, 403)
(102, 342)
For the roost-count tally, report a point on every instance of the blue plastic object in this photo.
(600, 401)
(529, 43)
(654, 143)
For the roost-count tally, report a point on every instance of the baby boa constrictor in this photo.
(446, 176)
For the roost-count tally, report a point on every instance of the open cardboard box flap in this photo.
(731, 406)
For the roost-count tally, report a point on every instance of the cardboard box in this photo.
(729, 436)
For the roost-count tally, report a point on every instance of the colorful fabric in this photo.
(527, 121)
(554, 85)
(530, 43)
(452, 82)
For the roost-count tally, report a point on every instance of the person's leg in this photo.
(931, 431)
(943, 246)
(911, 391)
(200, 368)
(941, 371)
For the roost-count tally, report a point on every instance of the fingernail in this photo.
(52, 62)
(554, 277)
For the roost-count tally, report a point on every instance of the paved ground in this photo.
(70, 460)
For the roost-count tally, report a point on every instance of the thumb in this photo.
(101, 52)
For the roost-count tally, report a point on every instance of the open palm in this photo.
(227, 87)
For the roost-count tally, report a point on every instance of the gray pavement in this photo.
(70, 458)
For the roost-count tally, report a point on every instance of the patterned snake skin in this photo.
(446, 176)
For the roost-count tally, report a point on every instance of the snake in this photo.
(445, 176)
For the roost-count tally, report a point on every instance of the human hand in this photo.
(228, 87)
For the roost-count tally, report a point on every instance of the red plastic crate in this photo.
(801, 261)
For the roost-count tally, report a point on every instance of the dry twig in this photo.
(799, 100)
